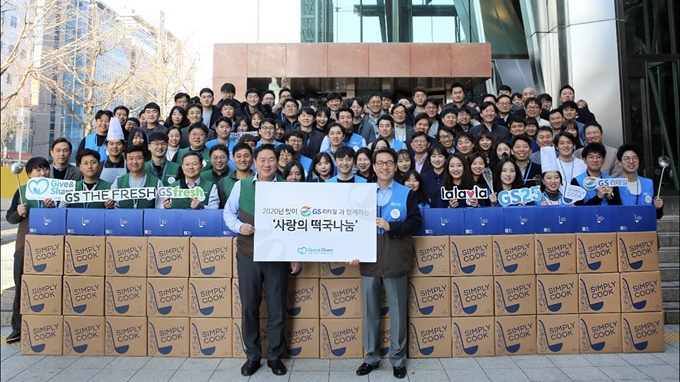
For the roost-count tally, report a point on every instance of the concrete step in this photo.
(670, 291)
(671, 312)
(6, 309)
(669, 271)
(669, 239)
(669, 255)
(668, 224)
(8, 294)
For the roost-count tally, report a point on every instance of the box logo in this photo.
(166, 296)
(205, 303)
(298, 296)
(469, 254)
(298, 337)
(170, 337)
(471, 336)
(594, 251)
(513, 294)
(426, 336)
(641, 331)
(126, 334)
(556, 333)
(514, 334)
(82, 334)
(81, 255)
(554, 254)
(68, 297)
(41, 253)
(39, 293)
(415, 308)
(327, 346)
(599, 332)
(334, 271)
(645, 289)
(638, 250)
(594, 293)
(472, 294)
(556, 293)
(339, 297)
(126, 254)
(166, 256)
(38, 334)
(209, 256)
(428, 254)
(514, 253)
(214, 335)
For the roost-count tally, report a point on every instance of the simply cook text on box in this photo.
(125, 296)
(44, 255)
(126, 256)
(600, 333)
(84, 255)
(557, 294)
(429, 337)
(432, 256)
(515, 295)
(126, 336)
(167, 297)
(555, 253)
(302, 298)
(168, 257)
(209, 297)
(340, 298)
(597, 252)
(472, 296)
(515, 335)
(643, 332)
(641, 292)
(473, 336)
(599, 293)
(558, 334)
(168, 336)
(83, 295)
(211, 257)
(42, 335)
(513, 255)
(302, 338)
(638, 251)
(41, 295)
(211, 337)
(471, 255)
(429, 297)
(84, 335)
(237, 343)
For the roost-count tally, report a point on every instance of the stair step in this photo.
(5, 317)
(671, 312)
(670, 291)
(669, 239)
(668, 224)
(669, 254)
(8, 294)
(669, 271)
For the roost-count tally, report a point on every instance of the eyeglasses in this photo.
(630, 159)
(159, 144)
(419, 141)
(267, 128)
(388, 163)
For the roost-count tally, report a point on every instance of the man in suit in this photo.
(61, 169)
(593, 134)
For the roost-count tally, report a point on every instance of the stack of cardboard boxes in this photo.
(471, 294)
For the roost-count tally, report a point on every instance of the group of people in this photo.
(413, 149)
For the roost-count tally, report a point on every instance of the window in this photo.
(13, 22)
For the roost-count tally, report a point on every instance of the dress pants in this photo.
(16, 305)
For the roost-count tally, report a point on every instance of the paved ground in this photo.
(597, 367)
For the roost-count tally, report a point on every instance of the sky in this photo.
(233, 21)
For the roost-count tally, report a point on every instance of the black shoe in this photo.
(249, 368)
(278, 368)
(15, 336)
(399, 372)
(365, 368)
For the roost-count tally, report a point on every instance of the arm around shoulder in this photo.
(413, 222)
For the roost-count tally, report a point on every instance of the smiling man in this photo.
(61, 169)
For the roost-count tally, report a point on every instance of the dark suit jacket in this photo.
(72, 173)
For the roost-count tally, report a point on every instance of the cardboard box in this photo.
(600, 333)
(237, 305)
(561, 219)
(302, 338)
(168, 257)
(85, 221)
(385, 339)
(47, 221)
(83, 296)
(168, 337)
(429, 337)
(515, 335)
(597, 252)
(338, 270)
(483, 221)
(555, 254)
(558, 334)
(443, 221)
(167, 297)
(637, 218)
(125, 296)
(84, 335)
(432, 256)
(472, 296)
(522, 220)
(41, 295)
(202, 223)
(41, 335)
(341, 338)
(44, 255)
(302, 298)
(557, 294)
(599, 218)
(210, 257)
(211, 337)
(515, 295)
(429, 297)
(84, 255)
(340, 298)
(162, 222)
(209, 297)
(513, 255)
(643, 332)
(638, 251)
(641, 292)
(124, 222)
(126, 256)
(238, 344)
(599, 293)
(471, 255)
(126, 336)
(310, 271)
(473, 337)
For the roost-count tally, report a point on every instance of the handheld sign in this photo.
(590, 183)
(573, 194)
(456, 193)
(148, 193)
(520, 195)
(46, 188)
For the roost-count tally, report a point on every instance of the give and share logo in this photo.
(302, 250)
(38, 186)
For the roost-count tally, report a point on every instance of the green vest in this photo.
(101, 185)
(171, 171)
(124, 182)
(29, 203)
(205, 153)
(184, 203)
(246, 213)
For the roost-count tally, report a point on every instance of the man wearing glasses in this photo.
(594, 134)
(397, 221)
(166, 171)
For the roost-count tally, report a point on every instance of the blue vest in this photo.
(591, 193)
(646, 197)
(91, 143)
(213, 142)
(397, 145)
(306, 163)
(355, 142)
(396, 209)
(357, 179)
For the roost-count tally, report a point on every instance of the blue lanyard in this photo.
(526, 173)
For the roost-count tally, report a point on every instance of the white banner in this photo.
(591, 182)
(148, 193)
(328, 222)
(47, 188)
